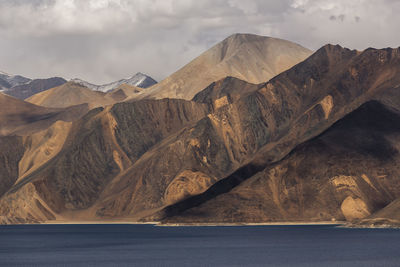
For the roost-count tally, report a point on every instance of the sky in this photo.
(106, 40)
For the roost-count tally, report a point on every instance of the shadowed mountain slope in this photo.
(349, 172)
(20, 117)
(388, 216)
(11, 153)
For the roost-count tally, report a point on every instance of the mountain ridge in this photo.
(249, 57)
(9, 80)
(139, 80)
(33, 87)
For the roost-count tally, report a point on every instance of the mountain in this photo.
(224, 92)
(348, 172)
(388, 216)
(259, 129)
(124, 91)
(22, 118)
(318, 142)
(22, 88)
(248, 57)
(138, 80)
(33, 87)
(7, 80)
(98, 147)
(70, 94)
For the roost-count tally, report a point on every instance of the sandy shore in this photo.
(252, 224)
(96, 222)
(341, 224)
(192, 224)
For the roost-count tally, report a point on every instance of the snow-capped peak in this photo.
(138, 80)
(13, 80)
(5, 74)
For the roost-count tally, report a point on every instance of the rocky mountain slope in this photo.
(98, 147)
(138, 80)
(318, 142)
(259, 129)
(248, 57)
(224, 92)
(348, 172)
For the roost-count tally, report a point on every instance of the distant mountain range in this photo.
(33, 87)
(139, 80)
(72, 93)
(22, 88)
(254, 130)
(8, 80)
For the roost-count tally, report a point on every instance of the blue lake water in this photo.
(147, 245)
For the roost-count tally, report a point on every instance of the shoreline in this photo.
(339, 224)
(160, 224)
(249, 224)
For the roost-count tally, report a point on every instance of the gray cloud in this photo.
(105, 40)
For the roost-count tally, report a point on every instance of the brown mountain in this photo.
(20, 117)
(124, 91)
(259, 129)
(318, 142)
(70, 94)
(224, 92)
(98, 147)
(249, 57)
(388, 216)
(348, 172)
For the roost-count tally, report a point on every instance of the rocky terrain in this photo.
(318, 142)
(348, 172)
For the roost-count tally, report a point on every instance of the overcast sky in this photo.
(105, 40)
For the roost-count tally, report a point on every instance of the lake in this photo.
(148, 245)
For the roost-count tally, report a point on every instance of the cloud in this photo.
(355, 24)
(105, 40)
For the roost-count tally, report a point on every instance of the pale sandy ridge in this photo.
(252, 58)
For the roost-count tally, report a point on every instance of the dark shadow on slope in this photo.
(221, 187)
(362, 131)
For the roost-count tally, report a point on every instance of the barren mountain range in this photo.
(255, 130)
(22, 87)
